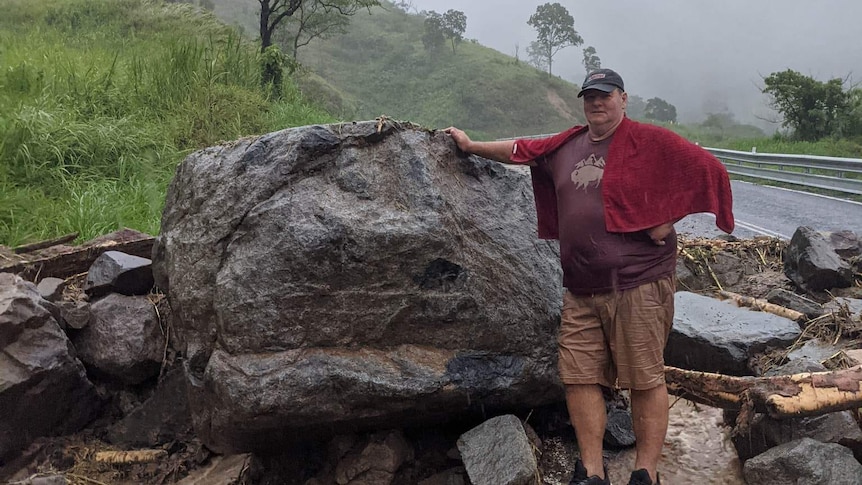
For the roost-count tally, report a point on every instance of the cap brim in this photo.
(608, 88)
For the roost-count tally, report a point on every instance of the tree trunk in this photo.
(788, 396)
(62, 261)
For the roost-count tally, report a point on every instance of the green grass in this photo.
(380, 67)
(101, 99)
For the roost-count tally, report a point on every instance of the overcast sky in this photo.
(698, 55)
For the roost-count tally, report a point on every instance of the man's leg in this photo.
(586, 406)
(649, 416)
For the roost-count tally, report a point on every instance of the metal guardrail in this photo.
(830, 173)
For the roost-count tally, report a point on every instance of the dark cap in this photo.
(602, 79)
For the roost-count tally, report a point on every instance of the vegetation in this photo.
(555, 27)
(101, 99)
(317, 15)
(812, 109)
(658, 109)
(591, 61)
(439, 27)
(382, 67)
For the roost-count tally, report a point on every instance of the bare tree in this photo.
(273, 13)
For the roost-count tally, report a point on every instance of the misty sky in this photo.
(700, 56)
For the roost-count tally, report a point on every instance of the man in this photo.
(610, 192)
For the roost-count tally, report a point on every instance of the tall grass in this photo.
(101, 99)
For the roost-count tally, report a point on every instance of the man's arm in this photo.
(500, 151)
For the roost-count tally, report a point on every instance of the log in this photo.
(135, 456)
(66, 261)
(762, 305)
(28, 248)
(781, 397)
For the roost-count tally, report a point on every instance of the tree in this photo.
(536, 56)
(434, 36)
(454, 26)
(312, 20)
(591, 60)
(556, 31)
(635, 107)
(273, 13)
(811, 108)
(660, 110)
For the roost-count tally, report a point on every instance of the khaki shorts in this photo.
(617, 338)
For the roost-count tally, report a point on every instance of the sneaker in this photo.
(580, 477)
(641, 477)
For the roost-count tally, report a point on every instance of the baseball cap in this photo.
(602, 79)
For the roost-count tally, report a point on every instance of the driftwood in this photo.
(762, 305)
(787, 396)
(28, 248)
(136, 456)
(61, 261)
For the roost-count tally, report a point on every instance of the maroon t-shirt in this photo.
(593, 259)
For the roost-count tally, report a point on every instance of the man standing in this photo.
(610, 192)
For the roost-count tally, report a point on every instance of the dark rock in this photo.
(811, 262)
(162, 418)
(376, 462)
(348, 277)
(845, 243)
(51, 289)
(222, 470)
(498, 452)
(124, 340)
(44, 390)
(804, 462)
(717, 336)
(788, 299)
(75, 314)
(118, 272)
(619, 432)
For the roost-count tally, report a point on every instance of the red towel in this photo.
(652, 176)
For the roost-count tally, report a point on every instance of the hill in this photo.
(381, 67)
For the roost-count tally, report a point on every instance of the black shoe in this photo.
(580, 477)
(641, 477)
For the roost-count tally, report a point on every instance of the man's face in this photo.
(603, 108)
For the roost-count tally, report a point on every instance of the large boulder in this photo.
(717, 336)
(43, 388)
(812, 262)
(354, 276)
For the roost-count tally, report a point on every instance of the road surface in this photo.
(762, 210)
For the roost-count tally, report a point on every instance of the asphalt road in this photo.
(772, 211)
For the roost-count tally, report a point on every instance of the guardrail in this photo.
(831, 173)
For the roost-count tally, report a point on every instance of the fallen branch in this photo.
(136, 456)
(762, 305)
(62, 262)
(787, 396)
(45, 244)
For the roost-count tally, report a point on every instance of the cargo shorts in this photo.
(617, 339)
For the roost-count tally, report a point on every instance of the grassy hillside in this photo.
(382, 63)
(380, 67)
(101, 99)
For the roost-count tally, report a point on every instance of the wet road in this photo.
(761, 210)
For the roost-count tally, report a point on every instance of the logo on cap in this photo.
(599, 75)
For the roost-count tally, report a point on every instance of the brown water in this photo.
(697, 450)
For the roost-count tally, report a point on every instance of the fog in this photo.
(701, 56)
